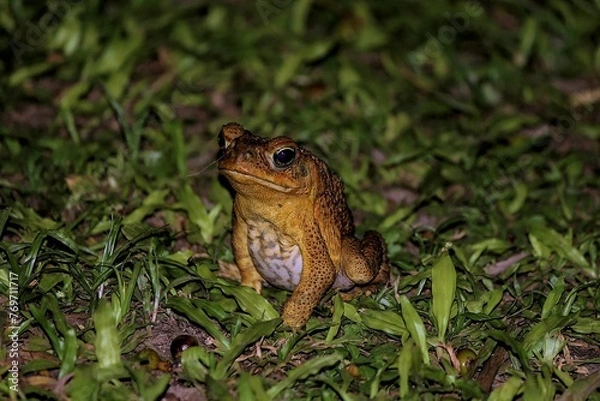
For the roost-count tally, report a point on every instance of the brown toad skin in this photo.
(291, 225)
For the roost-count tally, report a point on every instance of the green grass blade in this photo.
(251, 388)
(196, 363)
(108, 347)
(586, 325)
(38, 365)
(174, 129)
(514, 346)
(343, 395)
(69, 354)
(4, 215)
(405, 364)
(197, 212)
(309, 368)
(13, 267)
(559, 244)
(537, 387)
(126, 291)
(415, 327)
(152, 202)
(336, 319)
(149, 388)
(39, 314)
(582, 388)
(535, 338)
(553, 298)
(217, 390)
(185, 306)
(132, 136)
(28, 269)
(443, 283)
(241, 341)
(507, 391)
(386, 321)
(251, 302)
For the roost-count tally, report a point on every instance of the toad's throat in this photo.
(240, 177)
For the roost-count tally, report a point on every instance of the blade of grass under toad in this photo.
(240, 342)
(251, 302)
(297, 340)
(351, 313)
(443, 290)
(415, 326)
(308, 368)
(215, 309)
(336, 319)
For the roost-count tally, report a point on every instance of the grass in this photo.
(466, 133)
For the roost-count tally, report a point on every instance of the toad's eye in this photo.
(284, 157)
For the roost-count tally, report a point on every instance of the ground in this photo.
(466, 133)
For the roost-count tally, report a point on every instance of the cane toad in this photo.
(291, 225)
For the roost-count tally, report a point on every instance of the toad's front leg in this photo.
(318, 275)
(250, 277)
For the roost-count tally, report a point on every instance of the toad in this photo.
(292, 227)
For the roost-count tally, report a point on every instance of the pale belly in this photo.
(278, 259)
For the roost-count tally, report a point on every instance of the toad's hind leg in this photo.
(365, 263)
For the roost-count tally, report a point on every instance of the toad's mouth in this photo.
(243, 178)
